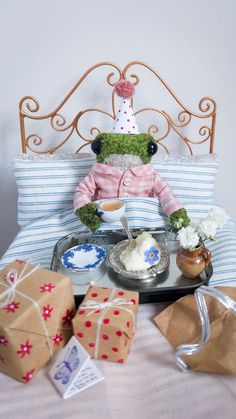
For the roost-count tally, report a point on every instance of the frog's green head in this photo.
(141, 145)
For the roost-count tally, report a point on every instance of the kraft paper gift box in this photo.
(105, 322)
(36, 308)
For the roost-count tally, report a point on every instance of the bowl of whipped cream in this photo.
(143, 262)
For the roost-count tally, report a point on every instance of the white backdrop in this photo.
(47, 45)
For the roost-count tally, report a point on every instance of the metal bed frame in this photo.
(29, 108)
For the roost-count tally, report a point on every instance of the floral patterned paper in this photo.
(43, 301)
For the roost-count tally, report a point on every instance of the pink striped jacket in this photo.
(105, 182)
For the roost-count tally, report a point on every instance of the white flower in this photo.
(207, 229)
(199, 231)
(188, 237)
(218, 216)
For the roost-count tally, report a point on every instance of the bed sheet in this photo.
(35, 241)
(149, 385)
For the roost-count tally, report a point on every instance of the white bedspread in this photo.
(149, 385)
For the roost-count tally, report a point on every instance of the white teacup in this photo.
(111, 210)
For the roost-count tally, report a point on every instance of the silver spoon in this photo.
(132, 242)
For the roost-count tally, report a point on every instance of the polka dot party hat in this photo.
(125, 122)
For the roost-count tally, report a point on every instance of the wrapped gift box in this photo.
(36, 309)
(105, 322)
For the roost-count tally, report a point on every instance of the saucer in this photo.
(83, 258)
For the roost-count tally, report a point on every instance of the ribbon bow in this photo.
(12, 281)
(190, 349)
(95, 305)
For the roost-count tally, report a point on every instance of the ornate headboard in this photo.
(160, 127)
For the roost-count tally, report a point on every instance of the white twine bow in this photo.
(104, 306)
(190, 349)
(96, 305)
(11, 282)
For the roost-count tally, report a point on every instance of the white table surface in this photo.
(148, 386)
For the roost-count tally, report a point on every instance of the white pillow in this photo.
(46, 183)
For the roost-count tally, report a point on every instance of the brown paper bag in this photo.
(181, 324)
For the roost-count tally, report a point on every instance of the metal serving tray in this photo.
(169, 285)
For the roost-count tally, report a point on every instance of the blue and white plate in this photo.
(83, 258)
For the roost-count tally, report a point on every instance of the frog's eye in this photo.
(152, 148)
(96, 146)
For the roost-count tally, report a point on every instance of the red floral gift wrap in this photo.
(105, 322)
(36, 309)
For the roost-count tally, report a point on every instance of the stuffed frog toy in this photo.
(124, 169)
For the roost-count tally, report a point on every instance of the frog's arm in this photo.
(89, 216)
(179, 218)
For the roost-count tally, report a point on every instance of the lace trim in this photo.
(182, 159)
(70, 156)
(168, 159)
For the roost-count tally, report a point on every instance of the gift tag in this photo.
(73, 370)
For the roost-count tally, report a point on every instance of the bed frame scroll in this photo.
(29, 108)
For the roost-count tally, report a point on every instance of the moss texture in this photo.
(179, 218)
(89, 217)
(135, 144)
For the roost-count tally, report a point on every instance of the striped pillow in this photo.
(46, 183)
(192, 178)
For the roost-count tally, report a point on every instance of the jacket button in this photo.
(127, 181)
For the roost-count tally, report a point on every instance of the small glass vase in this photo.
(193, 262)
